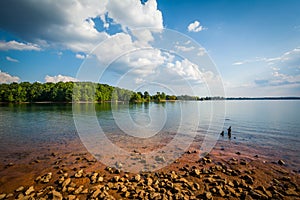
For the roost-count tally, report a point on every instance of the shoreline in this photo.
(229, 173)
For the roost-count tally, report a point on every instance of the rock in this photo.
(19, 189)
(71, 197)
(66, 182)
(94, 178)
(79, 174)
(96, 193)
(100, 179)
(149, 181)
(238, 153)
(29, 190)
(2, 196)
(196, 172)
(116, 178)
(208, 195)
(196, 186)
(160, 159)
(78, 190)
(9, 195)
(243, 162)
(137, 178)
(46, 178)
(56, 195)
(248, 179)
(291, 192)
(281, 162)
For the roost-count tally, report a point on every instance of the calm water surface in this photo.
(273, 126)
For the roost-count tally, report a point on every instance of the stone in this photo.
(71, 197)
(116, 178)
(2, 196)
(281, 162)
(96, 193)
(248, 179)
(66, 182)
(56, 195)
(78, 190)
(46, 178)
(100, 179)
(137, 178)
(79, 174)
(221, 192)
(19, 189)
(29, 190)
(160, 159)
(208, 195)
(291, 192)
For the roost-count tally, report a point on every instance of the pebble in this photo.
(56, 195)
(281, 162)
(19, 189)
(29, 190)
(2, 196)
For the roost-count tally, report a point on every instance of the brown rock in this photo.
(29, 190)
(2, 196)
(56, 195)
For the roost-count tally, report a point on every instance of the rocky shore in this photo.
(67, 175)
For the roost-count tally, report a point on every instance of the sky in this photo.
(231, 48)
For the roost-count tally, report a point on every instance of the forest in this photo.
(78, 92)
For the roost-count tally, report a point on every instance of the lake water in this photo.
(273, 127)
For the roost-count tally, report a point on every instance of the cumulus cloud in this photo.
(134, 14)
(80, 56)
(69, 23)
(7, 78)
(19, 46)
(59, 78)
(195, 27)
(11, 59)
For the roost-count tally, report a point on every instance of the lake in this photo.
(271, 128)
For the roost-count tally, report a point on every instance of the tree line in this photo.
(77, 91)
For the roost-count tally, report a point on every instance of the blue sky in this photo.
(255, 44)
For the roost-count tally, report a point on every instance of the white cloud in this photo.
(19, 46)
(133, 14)
(195, 27)
(201, 52)
(80, 56)
(11, 59)
(190, 71)
(184, 48)
(7, 78)
(59, 78)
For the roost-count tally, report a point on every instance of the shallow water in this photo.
(271, 127)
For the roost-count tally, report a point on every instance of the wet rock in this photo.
(29, 190)
(19, 189)
(281, 162)
(79, 174)
(248, 179)
(160, 159)
(100, 179)
(79, 190)
(96, 193)
(2, 196)
(243, 162)
(291, 192)
(94, 177)
(137, 178)
(66, 182)
(71, 197)
(46, 178)
(208, 195)
(56, 195)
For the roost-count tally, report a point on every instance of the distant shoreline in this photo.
(162, 101)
